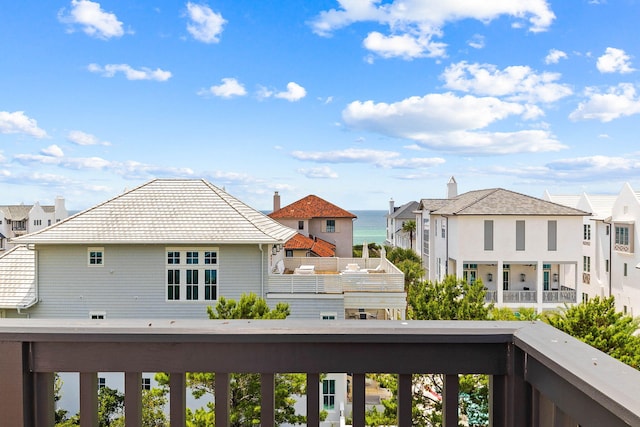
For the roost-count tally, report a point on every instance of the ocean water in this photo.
(370, 226)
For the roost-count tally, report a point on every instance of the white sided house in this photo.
(611, 262)
(525, 250)
(397, 217)
(595, 268)
(18, 220)
(171, 247)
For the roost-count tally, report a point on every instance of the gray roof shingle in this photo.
(166, 211)
(17, 278)
(497, 201)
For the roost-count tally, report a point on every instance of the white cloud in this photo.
(130, 73)
(94, 21)
(52, 151)
(449, 123)
(205, 25)
(618, 101)
(230, 87)
(82, 138)
(18, 122)
(384, 159)
(414, 23)
(294, 92)
(477, 41)
(324, 172)
(129, 169)
(405, 46)
(554, 56)
(614, 61)
(516, 83)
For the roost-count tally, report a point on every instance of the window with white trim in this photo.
(331, 226)
(328, 394)
(102, 382)
(192, 274)
(586, 264)
(97, 315)
(586, 231)
(95, 257)
(623, 238)
(146, 383)
(328, 315)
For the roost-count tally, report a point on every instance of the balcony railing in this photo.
(328, 277)
(539, 376)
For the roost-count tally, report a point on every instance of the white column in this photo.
(499, 273)
(539, 286)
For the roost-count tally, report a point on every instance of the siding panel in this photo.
(131, 283)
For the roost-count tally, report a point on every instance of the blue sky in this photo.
(356, 101)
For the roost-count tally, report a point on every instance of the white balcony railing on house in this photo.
(519, 296)
(538, 376)
(329, 276)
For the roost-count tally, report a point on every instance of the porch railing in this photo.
(390, 280)
(539, 376)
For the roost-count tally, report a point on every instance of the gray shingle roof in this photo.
(166, 211)
(405, 211)
(17, 278)
(497, 201)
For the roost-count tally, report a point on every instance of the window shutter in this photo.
(552, 235)
(488, 235)
(520, 236)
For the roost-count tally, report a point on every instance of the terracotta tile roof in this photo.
(323, 248)
(299, 242)
(311, 207)
(319, 247)
(166, 211)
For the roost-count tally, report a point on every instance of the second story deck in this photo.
(336, 276)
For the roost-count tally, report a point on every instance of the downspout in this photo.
(446, 265)
(610, 272)
(261, 269)
(35, 280)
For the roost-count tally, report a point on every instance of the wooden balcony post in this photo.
(358, 391)
(45, 405)
(133, 398)
(405, 399)
(177, 399)
(510, 397)
(267, 400)
(313, 400)
(88, 399)
(450, 396)
(222, 399)
(14, 389)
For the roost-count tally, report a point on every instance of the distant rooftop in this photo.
(168, 211)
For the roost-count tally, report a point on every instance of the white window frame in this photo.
(146, 383)
(192, 274)
(333, 228)
(99, 259)
(328, 315)
(97, 315)
(329, 398)
(623, 237)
